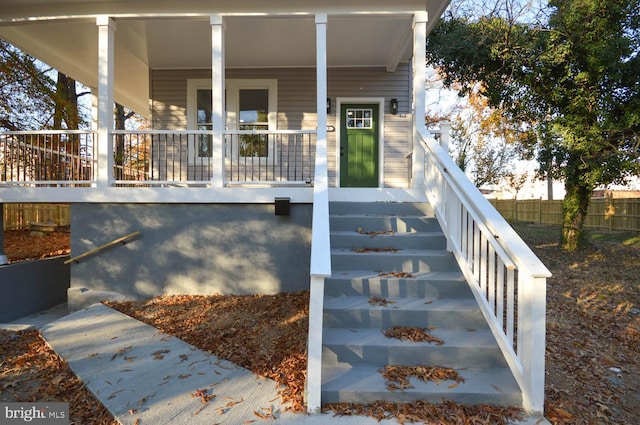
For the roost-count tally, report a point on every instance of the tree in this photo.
(574, 78)
(25, 91)
(486, 140)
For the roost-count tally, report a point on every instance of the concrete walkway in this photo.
(139, 373)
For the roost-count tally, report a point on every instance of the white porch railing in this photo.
(270, 157)
(47, 158)
(156, 158)
(185, 157)
(507, 279)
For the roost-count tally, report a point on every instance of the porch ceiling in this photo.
(250, 42)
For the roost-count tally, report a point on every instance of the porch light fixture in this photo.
(328, 105)
(394, 106)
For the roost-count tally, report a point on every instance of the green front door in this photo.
(359, 145)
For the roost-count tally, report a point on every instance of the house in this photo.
(262, 114)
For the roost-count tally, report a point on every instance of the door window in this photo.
(359, 118)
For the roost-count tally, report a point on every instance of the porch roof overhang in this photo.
(64, 35)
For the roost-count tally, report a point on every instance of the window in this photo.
(203, 122)
(250, 105)
(253, 114)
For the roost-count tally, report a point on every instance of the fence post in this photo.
(3, 257)
(539, 210)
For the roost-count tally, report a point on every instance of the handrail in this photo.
(320, 268)
(94, 251)
(482, 209)
(505, 276)
(46, 132)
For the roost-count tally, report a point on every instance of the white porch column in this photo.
(419, 92)
(217, 97)
(106, 29)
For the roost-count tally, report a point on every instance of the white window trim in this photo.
(380, 101)
(193, 85)
(232, 103)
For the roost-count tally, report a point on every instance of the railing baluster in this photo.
(500, 294)
(491, 284)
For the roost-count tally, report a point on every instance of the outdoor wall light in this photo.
(394, 106)
(328, 105)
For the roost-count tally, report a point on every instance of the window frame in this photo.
(232, 105)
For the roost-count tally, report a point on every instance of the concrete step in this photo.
(381, 208)
(380, 224)
(411, 240)
(430, 285)
(402, 260)
(364, 384)
(461, 348)
(357, 312)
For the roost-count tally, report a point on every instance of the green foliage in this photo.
(25, 91)
(576, 79)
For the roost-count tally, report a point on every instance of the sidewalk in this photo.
(141, 374)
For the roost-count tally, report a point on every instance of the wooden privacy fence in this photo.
(604, 213)
(18, 216)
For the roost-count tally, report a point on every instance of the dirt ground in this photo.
(593, 338)
(20, 245)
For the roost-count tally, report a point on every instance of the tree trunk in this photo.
(574, 211)
(66, 103)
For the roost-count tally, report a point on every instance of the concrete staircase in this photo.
(391, 268)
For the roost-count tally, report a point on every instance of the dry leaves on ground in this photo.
(411, 333)
(445, 413)
(398, 377)
(593, 330)
(380, 301)
(395, 274)
(264, 333)
(376, 232)
(20, 245)
(367, 249)
(32, 372)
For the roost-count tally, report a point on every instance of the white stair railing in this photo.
(507, 279)
(319, 270)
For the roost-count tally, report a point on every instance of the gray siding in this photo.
(296, 105)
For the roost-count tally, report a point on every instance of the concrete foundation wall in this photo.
(191, 249)
(32, 286)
